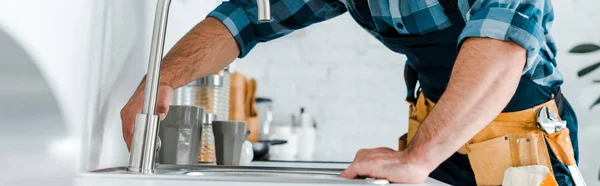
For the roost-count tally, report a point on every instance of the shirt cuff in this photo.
(509, 25)
(239, 25)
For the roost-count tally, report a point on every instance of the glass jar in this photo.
(207, 92)
(210, 92)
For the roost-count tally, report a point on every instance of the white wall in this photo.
(355, 87)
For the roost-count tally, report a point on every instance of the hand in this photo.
(134, 106)
(386, 163)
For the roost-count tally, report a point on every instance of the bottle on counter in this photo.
(307, 136)
(265, 115)
(222, 110)
(207, 141)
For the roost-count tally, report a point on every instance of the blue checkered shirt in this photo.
(526, 22)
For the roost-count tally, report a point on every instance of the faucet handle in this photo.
(264, 10)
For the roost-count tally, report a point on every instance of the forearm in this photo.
(204, 50)
(484, 78)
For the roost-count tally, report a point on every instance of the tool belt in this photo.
(512, 139)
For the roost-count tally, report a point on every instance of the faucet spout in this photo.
(145, 132)
(264, 10)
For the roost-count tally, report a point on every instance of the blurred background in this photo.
(67, 67)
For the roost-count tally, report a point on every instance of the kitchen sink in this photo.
(249, 174)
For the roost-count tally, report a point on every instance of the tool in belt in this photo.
(550, 124)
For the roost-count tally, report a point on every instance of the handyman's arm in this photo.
(204, 50)
(484, 79)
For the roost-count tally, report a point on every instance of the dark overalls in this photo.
(430, 60)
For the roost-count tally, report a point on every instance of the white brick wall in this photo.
(347, 79)
(355, 88)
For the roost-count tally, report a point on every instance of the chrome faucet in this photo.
(145, 134)
(264, 10)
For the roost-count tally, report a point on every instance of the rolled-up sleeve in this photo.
(240, 17)
(524, 22)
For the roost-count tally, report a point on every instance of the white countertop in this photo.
(94, 179)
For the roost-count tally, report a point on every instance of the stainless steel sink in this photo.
(249, 174)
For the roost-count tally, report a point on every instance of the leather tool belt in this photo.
(512, 139)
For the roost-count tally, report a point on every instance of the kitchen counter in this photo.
(201, 175)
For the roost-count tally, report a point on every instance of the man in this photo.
(478, 61)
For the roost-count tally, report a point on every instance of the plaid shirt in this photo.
(526, 22)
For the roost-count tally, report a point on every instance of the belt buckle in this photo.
(549, 122)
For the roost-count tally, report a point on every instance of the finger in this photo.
(128, 114)
(359, 169)
(126, 130)
(165, 94)
(349, 173)
(162, 117)
(127, 135)
(161, 110)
